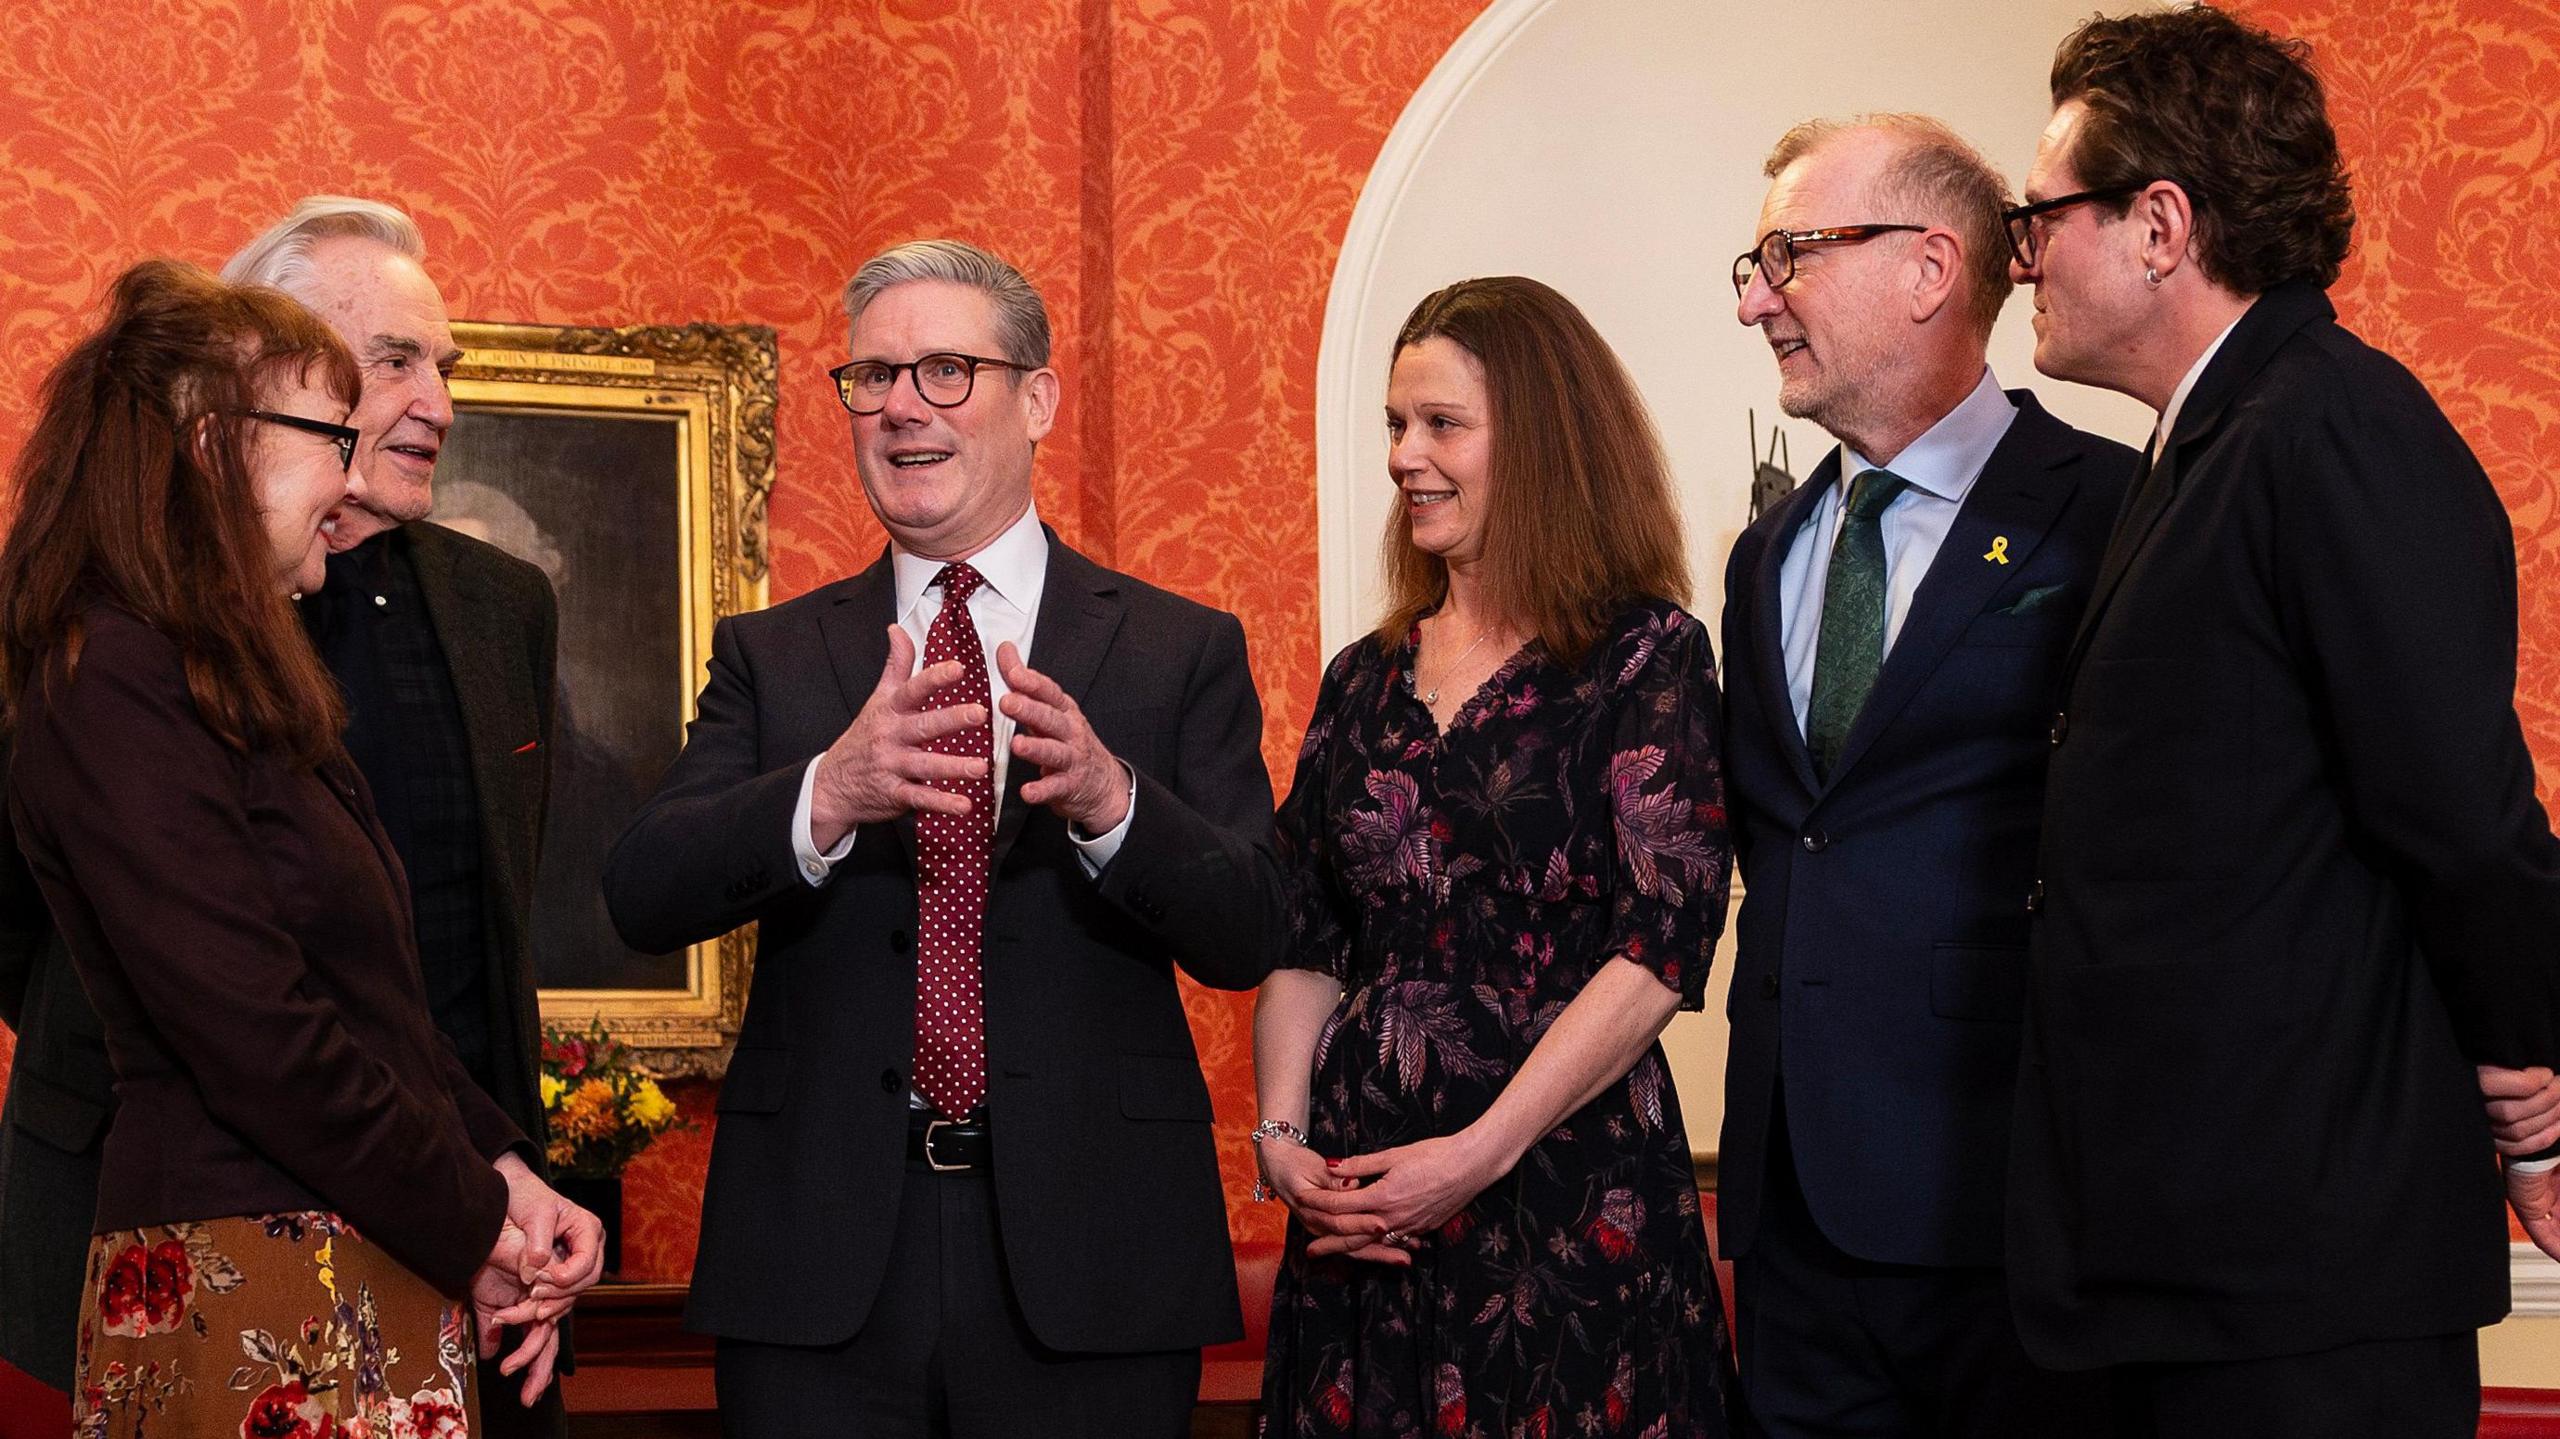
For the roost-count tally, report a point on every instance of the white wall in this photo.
(1612, 148)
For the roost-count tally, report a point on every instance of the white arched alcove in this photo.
(1612, 148)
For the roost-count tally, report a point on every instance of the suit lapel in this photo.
(2015, 499)
(856, 631)
(1768, 632)
(2270, 323)
(1080, 612)
(496, 715)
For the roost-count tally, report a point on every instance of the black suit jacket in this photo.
(1105, 1181)
(60, 1093)
(1883, 933)
(2295, 883)
(498, 625)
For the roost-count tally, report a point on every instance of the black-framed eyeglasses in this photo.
(1775, 256)
(343, 436)
(945, 380)
(2026, 223)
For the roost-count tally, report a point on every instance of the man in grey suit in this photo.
(444, 647)
(965, 1118)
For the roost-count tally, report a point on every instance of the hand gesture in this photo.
(1295, 1174)
(563, 1246)
(879, 768)
(1079, 780)
(1411, 1190)
(2524, 1108)
(500, 1298)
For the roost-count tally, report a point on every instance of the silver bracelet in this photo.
(1273, 1129)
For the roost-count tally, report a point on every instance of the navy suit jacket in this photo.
(1883, 933)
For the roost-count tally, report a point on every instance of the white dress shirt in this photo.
(1015, 565)
(1941, 466)
(2178, 397)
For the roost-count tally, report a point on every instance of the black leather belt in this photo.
(946, 1146)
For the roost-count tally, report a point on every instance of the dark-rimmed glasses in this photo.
(1775, 256)
(2026, 223)
(344, 437)
(945, 380)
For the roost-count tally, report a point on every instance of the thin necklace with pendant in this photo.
(1433, 697)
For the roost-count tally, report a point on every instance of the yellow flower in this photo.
(589, 1111)
(553, 1086)
(650, 1105)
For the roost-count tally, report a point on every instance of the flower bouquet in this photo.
(604, 1107)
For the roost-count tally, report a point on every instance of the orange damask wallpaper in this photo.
(1175, 174)
(2450, 112)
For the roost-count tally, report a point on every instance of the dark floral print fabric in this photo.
(281, 1326)
(1464, 887)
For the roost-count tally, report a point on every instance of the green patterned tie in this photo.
(1851, 649)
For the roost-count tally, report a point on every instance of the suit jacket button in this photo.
(2061, 727)
(2035, 897)
(1769, 986)
(900, 941)
(889, 1081)
(1815, 841)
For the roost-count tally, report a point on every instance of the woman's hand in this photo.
(1411, 1190)
(1297, 1173)
(534, 1358)
(501, 1299)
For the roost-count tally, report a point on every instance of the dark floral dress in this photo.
(1464, 887)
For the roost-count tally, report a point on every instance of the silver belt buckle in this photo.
(933, 1126)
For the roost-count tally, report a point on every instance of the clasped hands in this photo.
(1375, 1206)
(2524, 1119)
(548, 1252)
(882, 767)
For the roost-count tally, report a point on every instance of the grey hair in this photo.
(1022, 321)
(1937, 174)
(280, 259)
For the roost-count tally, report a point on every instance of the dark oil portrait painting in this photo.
(593, 500)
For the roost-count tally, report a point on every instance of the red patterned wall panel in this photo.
(2449, 111)
(1175, 174)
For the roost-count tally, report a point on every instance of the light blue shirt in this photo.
(1941, 466)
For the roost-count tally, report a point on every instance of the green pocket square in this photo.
(2033, 600)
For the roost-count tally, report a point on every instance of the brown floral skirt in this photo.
(283, 1326)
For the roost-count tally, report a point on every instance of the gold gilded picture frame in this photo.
(633, 465)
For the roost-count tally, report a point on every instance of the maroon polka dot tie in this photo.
(951, 873)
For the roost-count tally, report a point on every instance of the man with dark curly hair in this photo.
(2298, 909)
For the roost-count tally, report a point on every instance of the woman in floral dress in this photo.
(1508, 854)
(301, 1199)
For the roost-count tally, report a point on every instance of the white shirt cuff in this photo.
(1096, 854)
(2532, 1166)
(815, 866)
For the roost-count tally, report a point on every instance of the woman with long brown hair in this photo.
(1507, 849)
(300, 1174)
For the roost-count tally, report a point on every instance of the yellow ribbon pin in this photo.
(1999, 549)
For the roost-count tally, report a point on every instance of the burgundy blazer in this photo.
(242, 926)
